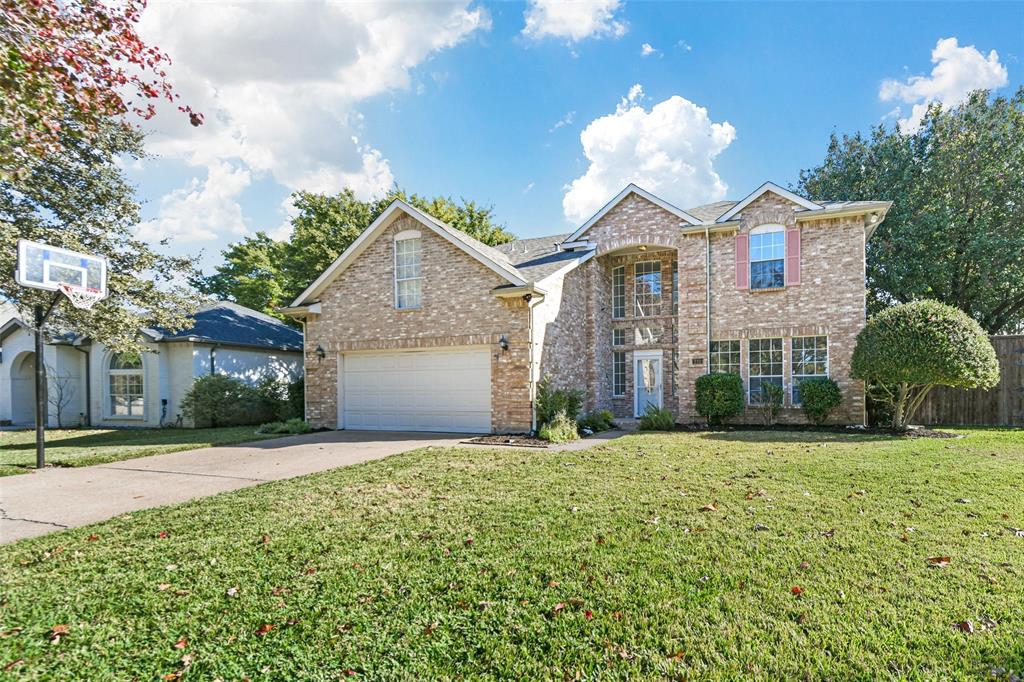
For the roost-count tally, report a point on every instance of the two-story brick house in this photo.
(419, 327)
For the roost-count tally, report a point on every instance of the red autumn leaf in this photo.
(677, 656)
(796, 590)
(964, 626)
(588, 614)
(938, 561)
(170, 677)
(311, 570)
(468, 541)
(264, 629)
(181, 643)
(348, 672)
(93, 538)
(162, 535)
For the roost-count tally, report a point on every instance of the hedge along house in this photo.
(99, 387)
(417, 326)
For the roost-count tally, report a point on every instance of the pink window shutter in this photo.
(793, 256)
(742, 261)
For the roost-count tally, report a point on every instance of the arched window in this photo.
(767, 257)
(127, 385)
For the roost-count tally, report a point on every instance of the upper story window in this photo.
(768, 257)
(619, 292)
(647, 288)
(127, 385)
(408, 269)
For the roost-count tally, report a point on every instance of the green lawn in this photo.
(81, 447)
(530, 564)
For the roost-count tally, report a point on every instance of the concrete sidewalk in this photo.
(45, 501)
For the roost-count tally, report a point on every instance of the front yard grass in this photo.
(82, 447)
(766, 555)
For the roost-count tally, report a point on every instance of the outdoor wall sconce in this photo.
(321, 353)
(503, 343)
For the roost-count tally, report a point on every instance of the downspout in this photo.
(88, 385)
(707, 294)
(533, 380)
(305, 408)
(213, 359)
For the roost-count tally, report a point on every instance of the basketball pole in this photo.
(41, 316)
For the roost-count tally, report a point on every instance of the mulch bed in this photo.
(914, 432)
(518, 440)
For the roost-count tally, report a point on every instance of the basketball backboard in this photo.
(41, 266)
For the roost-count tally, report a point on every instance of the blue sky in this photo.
(489, 101)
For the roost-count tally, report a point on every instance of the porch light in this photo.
(503, 343)
(321, 353)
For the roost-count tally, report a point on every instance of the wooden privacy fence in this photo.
(999, 406)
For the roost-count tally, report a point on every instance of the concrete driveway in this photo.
(55, 498)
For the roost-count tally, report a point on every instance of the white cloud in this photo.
(683, 45)
(957, 72)
(562, 122)
(573, 21)
(279, 84)
(669, 150)
(646, 50)
(201, 211)
(529, 186)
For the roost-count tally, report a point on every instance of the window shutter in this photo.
(793, 256)
(742, 261)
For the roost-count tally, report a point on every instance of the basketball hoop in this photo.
(83, 298)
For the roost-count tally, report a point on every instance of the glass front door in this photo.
(647, 382)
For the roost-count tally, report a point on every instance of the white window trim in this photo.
(739, 353)
(793, 375)
(661, 288)
(767, 228)
(625, 373)
(108, 407)
(616, 270)
(750, 366)
(402, 236)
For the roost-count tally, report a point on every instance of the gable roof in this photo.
(639, 191)
(488, 255)
(234, 324)
(538, 257)
(775, 189)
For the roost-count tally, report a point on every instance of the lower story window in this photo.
(618, 373)
(725, 357)
(764, 360)
(809, 361)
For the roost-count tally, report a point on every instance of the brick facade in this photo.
(568, 334)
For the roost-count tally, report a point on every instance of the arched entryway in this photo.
(23, 389)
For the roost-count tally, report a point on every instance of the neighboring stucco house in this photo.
(418, 326)
(109, 389)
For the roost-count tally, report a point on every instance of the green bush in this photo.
(219, 400)
(596, 421)
(818, 397)
(554, 401)
(719, 396)
(657, 419)
(291, 426)
(905, 351)
(297, 399)
(560, 429)
(769, 402)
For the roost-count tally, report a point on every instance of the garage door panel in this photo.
(447, 390)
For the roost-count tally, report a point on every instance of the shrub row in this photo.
(219, 400)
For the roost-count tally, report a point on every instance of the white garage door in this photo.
(435, 390)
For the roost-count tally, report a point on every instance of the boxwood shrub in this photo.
(719, 396)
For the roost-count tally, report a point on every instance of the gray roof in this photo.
(710, 212)
(233, 324)
(538, 257)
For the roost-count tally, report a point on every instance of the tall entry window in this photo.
(619, 292)
(127, 385)
(647, 288)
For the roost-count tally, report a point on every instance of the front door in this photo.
(646, 380)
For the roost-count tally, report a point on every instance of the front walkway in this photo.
(46, 501)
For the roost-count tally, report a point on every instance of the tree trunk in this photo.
(899, 413)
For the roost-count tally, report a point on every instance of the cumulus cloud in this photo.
(279, 85)
(646, 50)
(201, 211)
(668, 150)
(957, 71)
(573, 21)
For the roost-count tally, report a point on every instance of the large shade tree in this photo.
(956, 229)
(67, 69)
(263, 274)
(78, 198)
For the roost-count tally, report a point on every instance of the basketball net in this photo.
(81, 297)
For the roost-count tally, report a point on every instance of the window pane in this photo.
(408, 272)
(809, 359)
(619, 292)
(126, 361)
(409, 292)
(645, 336)
(618, 337)
(769, 274)
(618, 373)
(675, 287)
(647, 288)
(765, 365)
(725, 356)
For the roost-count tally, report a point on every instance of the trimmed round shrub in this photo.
(560, 429)
(819, 397)
(906, 350)
(719, 396)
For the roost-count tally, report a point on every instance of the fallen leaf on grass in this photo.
(162, 535)
(857, 493)
(468, 541)
(752, 494)
(170, 677)
(964, 626)
(429, 630)
(804, 565)
(181, 643)
(677, 656)
(588, 614)
(938, 561)
(13, 664)
(93, 538)
(163, 586)
(58, 631)
(760, 526)
(709, 508)
(231, 592)
(828, 533)
(264, 629)
(796, 590)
